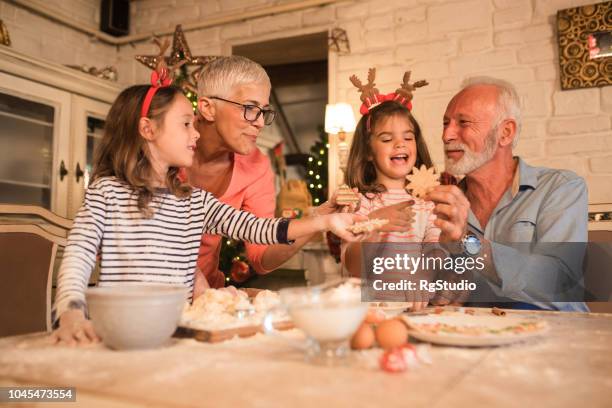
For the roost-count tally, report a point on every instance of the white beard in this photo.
(471, 160)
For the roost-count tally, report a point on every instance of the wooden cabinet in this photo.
(51, 117)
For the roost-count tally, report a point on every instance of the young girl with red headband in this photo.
(143, 221)
(387, 144)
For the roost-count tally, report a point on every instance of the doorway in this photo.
(297, 67)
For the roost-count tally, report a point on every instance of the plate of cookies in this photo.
(478, 329)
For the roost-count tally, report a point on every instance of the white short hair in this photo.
(221, 76)
(508, 102)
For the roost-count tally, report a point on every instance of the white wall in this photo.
(447, 41)
(443, 41)
(42, 38)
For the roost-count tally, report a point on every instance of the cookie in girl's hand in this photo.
(422, 180)
(367, 226)
(346, 196)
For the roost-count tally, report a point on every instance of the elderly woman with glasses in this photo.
(234, 107)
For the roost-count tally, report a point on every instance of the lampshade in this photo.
(339, 118)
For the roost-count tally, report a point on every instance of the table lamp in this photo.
(339, 119)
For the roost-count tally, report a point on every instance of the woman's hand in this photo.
(339, 222)
(74, 329)
(200, 283)
(399, 216)
(231, 289)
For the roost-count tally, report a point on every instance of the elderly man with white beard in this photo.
(528, 223)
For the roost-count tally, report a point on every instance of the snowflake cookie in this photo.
(421, 180)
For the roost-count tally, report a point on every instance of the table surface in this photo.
(570, 366)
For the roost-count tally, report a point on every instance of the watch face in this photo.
(471, 244)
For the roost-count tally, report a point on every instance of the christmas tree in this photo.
(181, 78)
(316, 168)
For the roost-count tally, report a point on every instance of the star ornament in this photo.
(180, 55)
(421, 180)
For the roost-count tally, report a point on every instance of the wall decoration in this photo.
(585, 40)
(338, 41)
(5, 39)
(180, 53)
(109, 73)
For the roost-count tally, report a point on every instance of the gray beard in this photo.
(471, 160)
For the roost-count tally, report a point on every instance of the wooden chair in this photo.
(598, 269)
(32, 214)
(27, 254)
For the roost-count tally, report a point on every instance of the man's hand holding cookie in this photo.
(451, 210)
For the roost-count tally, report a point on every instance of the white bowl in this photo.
(138, 316)
(326, 313)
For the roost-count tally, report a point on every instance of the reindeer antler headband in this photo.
(371, 97)
(160, 77)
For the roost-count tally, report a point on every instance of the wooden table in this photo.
(572, 366)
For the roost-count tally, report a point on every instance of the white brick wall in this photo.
(42, 38)
(513, 40)
(444, 41)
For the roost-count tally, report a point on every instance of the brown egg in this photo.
(391, 333)
(375, 316)
(363, 337)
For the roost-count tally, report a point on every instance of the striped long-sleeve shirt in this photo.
(136, 249)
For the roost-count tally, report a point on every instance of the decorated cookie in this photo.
(346, 196)
(422, 180)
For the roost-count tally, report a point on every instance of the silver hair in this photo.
(221, 76)
(508, 102)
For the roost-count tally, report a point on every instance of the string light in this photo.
(316, 171)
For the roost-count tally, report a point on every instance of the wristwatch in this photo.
(471, 244)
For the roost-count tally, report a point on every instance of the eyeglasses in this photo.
(252, 112)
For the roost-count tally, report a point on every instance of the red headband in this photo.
(159, 79)
(377, 99)
(371, 97)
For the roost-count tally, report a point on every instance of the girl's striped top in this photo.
(134, 249)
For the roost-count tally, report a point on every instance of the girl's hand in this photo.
(338, 223)
(74, 329)
(399, 216)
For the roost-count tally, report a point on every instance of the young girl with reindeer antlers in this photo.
(387, 146)
(141, 218)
